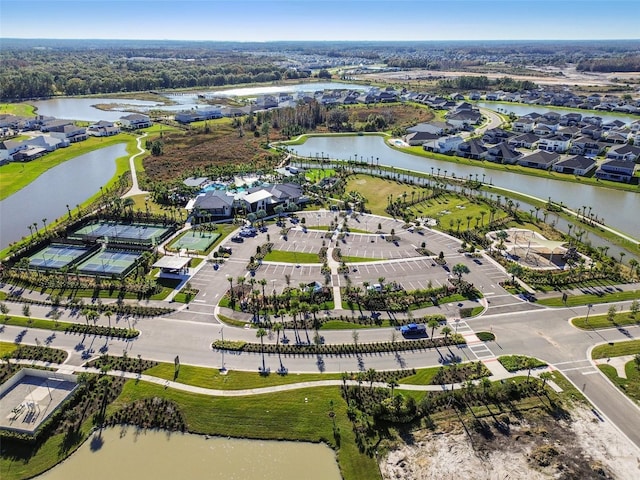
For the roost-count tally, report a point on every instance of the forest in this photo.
(42, 73)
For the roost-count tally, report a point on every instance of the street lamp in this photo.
(223, 369)
(589, 307)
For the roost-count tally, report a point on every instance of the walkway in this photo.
(135, 189)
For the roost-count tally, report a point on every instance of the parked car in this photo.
(413, 330)
(237, 239)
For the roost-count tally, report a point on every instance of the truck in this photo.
(413, 330)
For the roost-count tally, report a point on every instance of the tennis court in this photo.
(57, 256)
(120, 231)
(192, 240)
(109, 262)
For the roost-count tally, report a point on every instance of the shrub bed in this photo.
(43, 354)
(458, 373)
(513, 363)
(339, 349)
(124, 364)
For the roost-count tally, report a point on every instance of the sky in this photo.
(273, 20)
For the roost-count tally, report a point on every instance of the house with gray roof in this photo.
(626, 153)
(576, 165)
(135, 121)
(616, 170)
(526, 140)
(540, 159)
(503, 153)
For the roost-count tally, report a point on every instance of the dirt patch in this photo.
(539, 448)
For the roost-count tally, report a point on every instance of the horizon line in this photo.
(329, 41)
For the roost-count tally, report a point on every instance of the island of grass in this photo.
(622, 365)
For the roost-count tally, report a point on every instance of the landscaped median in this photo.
(623, 373)
(611, 319)
(338, 349)
(578, 300)
(68, 327)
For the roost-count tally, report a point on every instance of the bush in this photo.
(514, 363)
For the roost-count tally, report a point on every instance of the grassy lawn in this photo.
(16, 175)
(576, 300)
(630, 385)
(7, 348)
(19, 109)
(423, 376)
(377, 191)
(621, 319)
(450, 208)
(342, 325)
(616, 349)
(349, 259)
(295, 415)
(233, 380)
(143, 201)
(315, 175)
(291, 257)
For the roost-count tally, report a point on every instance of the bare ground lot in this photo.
(547, 76)
(581, 447)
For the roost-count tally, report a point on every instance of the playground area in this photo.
(109, 262)
(29, 397)
(532, 250)
(194, 241)
(113, 231)
(56, 256)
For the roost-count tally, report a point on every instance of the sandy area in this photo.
(580, 448)
(548, 76)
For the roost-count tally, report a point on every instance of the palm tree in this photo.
(515, 270)
(633, 263)
(371, 376)
(460, 269)
(482, 214)
(433, 323)
(260, 334)
(393, 383)
(446, 331)
(278, 327)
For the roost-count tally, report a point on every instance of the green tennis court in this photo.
(109, 262)
(120, 231)
(57, 256)
(192, 240)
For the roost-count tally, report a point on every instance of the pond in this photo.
(129, 453)
(84, 109)
(616, 207)
(70, 183)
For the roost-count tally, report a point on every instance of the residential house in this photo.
(540, 159)
(503, 153)
(569, 132)
(523, 125)
(103, 129)
(198, 115)
(526, 140)
(613, 125)
(496, 135)
(438, 128)
(625, 153)
(463, 118)
(542, 130)
(443, 144)
(418, 138)
(616, 170)
(586, 146)
(577, 165)
(555, 143)
(473, 149)
(54, 125)
(135, 121)
(615, 136)
(73, 133)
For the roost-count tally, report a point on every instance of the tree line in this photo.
(31, 74)
(482, 82)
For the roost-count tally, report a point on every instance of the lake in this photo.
(83, 108)
(618, 208)
(129, 453)
(70, 183)
(521, 110)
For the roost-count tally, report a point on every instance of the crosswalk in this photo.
(474, 345)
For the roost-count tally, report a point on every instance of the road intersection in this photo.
(520, 327)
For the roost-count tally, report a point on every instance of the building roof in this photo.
(172, 262)
(212, 200)
(541, 157)
(577, 161)
(257, 196)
